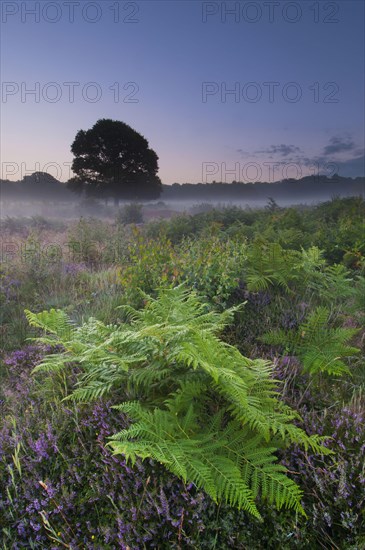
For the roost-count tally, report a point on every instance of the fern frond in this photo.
(195, 403)
(269, 265)
(320, 346)
(54, 321)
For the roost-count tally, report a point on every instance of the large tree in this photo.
(113, 160)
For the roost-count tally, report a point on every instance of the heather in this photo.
(289, 286)
(63, 488)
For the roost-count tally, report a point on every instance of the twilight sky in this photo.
(258, 90)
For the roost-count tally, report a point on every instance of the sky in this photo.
(245, 91)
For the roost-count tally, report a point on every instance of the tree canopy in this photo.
(113, 160)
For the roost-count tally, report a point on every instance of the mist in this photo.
(50, 199)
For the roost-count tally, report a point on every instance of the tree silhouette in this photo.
(113, 160)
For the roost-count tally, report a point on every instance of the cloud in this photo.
(338, 145)
(282, 150)
(326, 162)
(352, 168)
(243, 153)
(349, 168)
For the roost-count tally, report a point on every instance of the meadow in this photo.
(193, 382)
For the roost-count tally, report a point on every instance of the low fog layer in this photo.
(150, 210)
(42, 195)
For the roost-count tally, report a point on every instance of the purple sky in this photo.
(222, 90)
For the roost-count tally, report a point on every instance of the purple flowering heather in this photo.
(88, 495)
(73, 269)
(9, 288)
(338, 483)
(28, 356)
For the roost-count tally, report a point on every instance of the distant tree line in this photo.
(317, 187)
(41, 186)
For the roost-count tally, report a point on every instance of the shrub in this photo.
(130, 213)
(211, 264)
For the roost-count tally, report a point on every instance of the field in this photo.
(234, 339)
